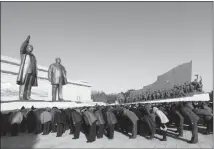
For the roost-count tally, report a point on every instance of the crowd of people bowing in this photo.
(97, 121)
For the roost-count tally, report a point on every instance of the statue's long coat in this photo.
(28, 65)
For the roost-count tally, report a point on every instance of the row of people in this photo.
(95, 121)
(176, 92)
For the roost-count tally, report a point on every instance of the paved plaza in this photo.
(120, 141)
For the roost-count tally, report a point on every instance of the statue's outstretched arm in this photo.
(24, 45)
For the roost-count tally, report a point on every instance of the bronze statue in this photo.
(57, 77)
(27, 76)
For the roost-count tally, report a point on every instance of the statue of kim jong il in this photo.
(57, 77)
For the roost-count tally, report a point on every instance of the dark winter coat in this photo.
(131, 115)
(189, 115)
(110, 117)
(99, 116)
(89, 118)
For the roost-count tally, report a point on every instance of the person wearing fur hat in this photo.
(162, 120)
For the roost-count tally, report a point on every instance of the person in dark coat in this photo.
(15, 120)
(208, 119)
(60, 120)
(68, 112)
(23, 125)
(100, 123)
(178, 119)
(192, 120)
(76, 119)
(134, 119)
(90, 121)
(38, 120)
(148, 120)
(111, 121)
(53, 122)
(207, 116)
(46, 121)
(31, 121)
(5, 123)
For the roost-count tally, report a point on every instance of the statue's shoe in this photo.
(28, 98)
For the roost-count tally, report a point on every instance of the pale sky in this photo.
(115, 46)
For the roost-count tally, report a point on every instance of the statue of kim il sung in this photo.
(57, 77)
(27, 75)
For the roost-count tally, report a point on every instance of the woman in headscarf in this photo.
(162, 120)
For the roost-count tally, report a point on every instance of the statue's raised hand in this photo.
(28, 37)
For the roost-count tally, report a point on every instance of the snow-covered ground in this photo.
(30, 141)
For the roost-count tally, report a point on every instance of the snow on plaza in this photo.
(9, 97)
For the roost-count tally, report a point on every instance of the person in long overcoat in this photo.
(68, 112)
(46, 121)
(90, 121)
(148, 120)
(162, 120)
(207, 117)
(60, 121)
(76, 119)
(27, 76)
(5, 123)
(100, 123)
(38, 120)
(23, 125)
(208, 121)
(15, 121)
(177, 118)
(111, 121)
(31, 121)
(192, 119)
(134, 119)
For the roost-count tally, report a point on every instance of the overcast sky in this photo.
(115, 46)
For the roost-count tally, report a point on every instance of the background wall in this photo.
(74, 90)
